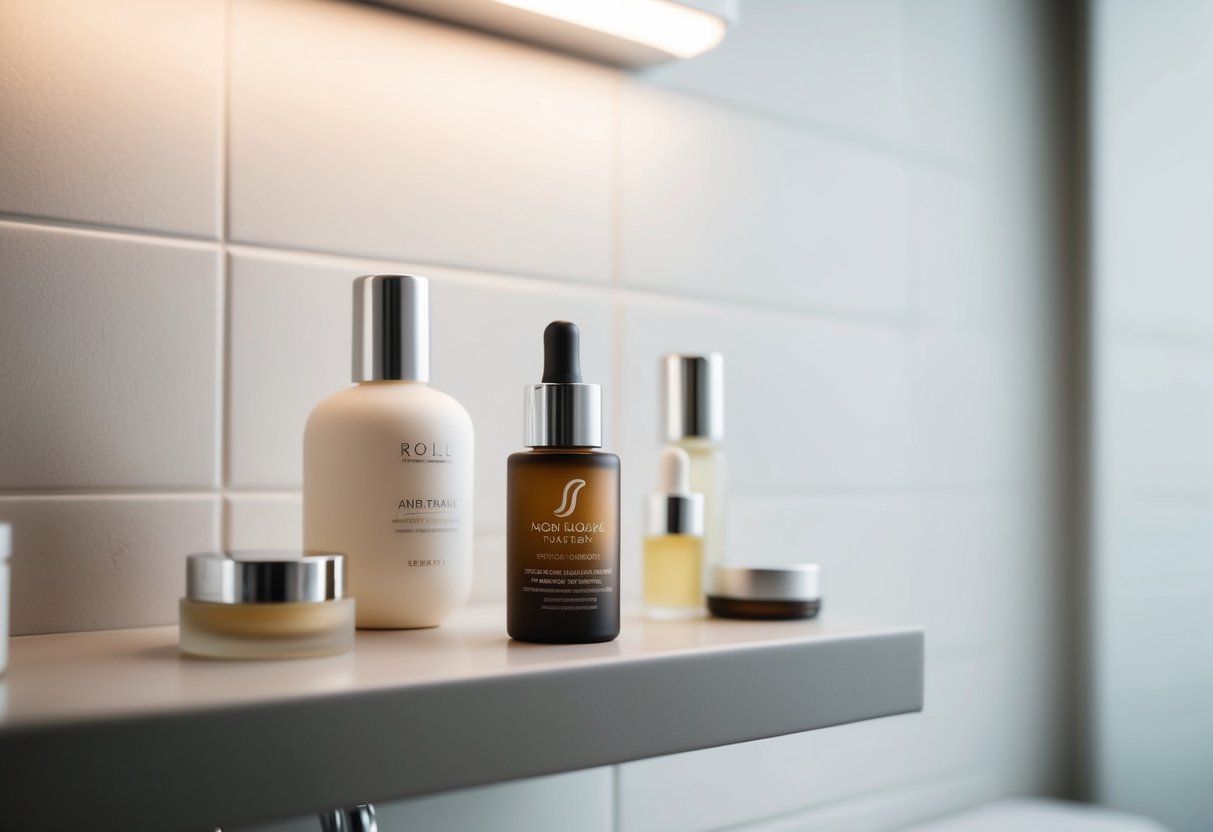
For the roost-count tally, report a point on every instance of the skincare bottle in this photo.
(694, 421)
(387, 467)
(673, 546)
(563, 508)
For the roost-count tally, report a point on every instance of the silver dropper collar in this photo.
(391, 328)
(562, 411)
(693, 396)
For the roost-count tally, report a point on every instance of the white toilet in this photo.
(1038, 815)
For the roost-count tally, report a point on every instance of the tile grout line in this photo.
(897, 320)
(846, 137)
(616, 798)
(224, 392)
(615, 215)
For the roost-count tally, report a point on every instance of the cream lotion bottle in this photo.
(387, 467)
(693, 404)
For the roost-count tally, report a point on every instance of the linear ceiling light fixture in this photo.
(628, 33)
(679, 31)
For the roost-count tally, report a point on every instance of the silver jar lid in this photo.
(264, 577)
(693, 397)
(798, 582)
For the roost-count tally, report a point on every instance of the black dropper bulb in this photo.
(561, 353)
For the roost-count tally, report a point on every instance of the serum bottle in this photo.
(387, 467)
(673, 545)
(694, 421)
(562, 525)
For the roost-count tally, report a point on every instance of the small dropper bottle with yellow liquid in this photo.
(673, 544)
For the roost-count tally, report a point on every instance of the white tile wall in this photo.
(716, 202)
(358, 130)
(843, 200)
(777, 58)
(109, 361)
(1153, 578)
(98, 562)
(113, 112)
(585, 799)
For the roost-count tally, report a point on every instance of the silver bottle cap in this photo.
(798, 582)
(673, 509)
(562, 411)
(693, 396)
(264, 577)
(391, 328)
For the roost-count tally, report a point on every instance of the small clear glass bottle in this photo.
(673, 545)
(265, 605)
(693, 419)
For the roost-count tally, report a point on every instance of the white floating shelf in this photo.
(117, 726)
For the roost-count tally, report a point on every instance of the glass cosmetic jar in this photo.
(265, 605)
(765, 592)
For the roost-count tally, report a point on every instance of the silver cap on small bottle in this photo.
(693, 396)
(264, 577)
(391, 328)
(562, 411)
(674, 508)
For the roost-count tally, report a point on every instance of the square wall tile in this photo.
(581, 800)
(1153, 152)
(109, 361)
(1154, 659)
(979, 409)
(1155, 625)
(717, 202)
(969, 272)
(101, 563)
(113, 112)
(978, 563)
(1155, 403)
(973, 74)
(787, 58)
(263, 521)
(369, 132)
(888, 808)
(290, 347)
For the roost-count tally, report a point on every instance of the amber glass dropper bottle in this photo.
(562, 524)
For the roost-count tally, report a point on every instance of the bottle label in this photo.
(564, 543)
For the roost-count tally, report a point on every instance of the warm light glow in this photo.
(672, 28)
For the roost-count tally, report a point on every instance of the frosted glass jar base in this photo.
(266, 631)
